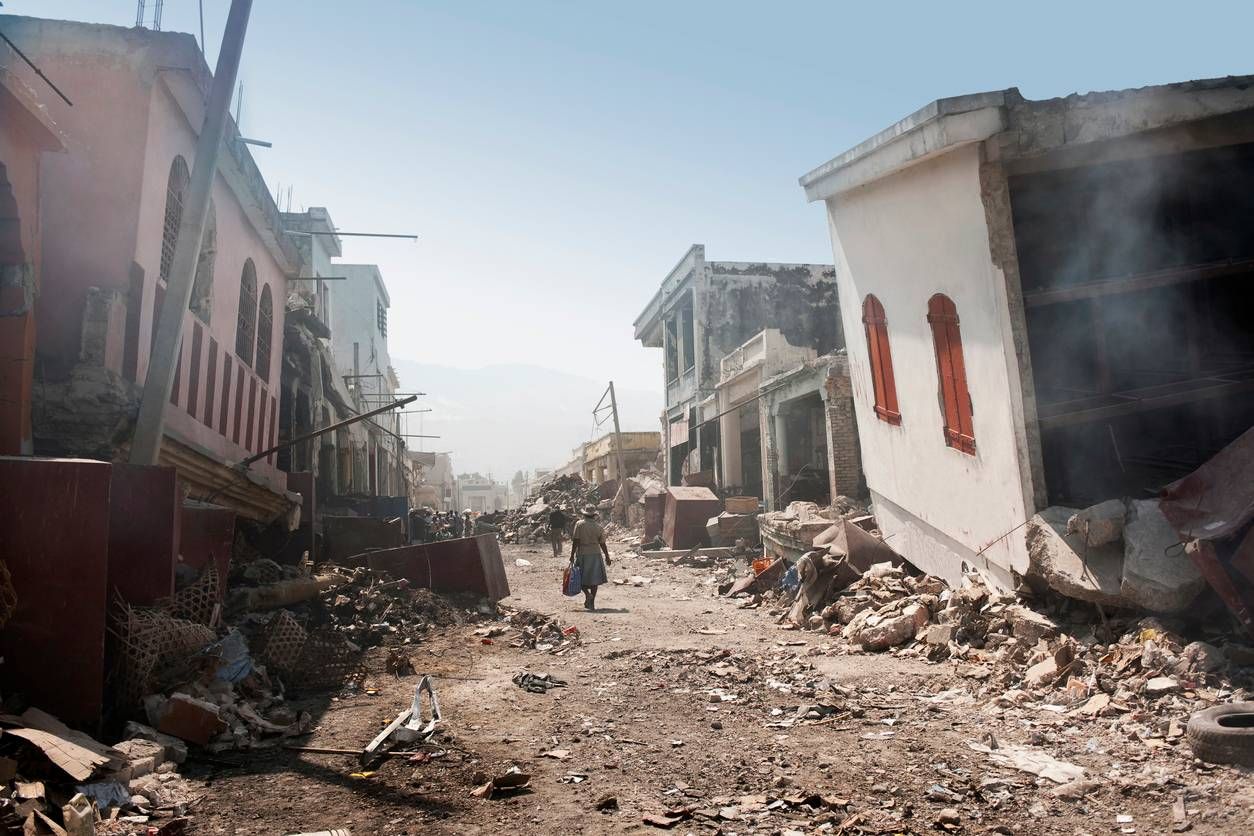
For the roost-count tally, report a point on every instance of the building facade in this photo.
(358, 309)
(26, 134)
(1050, 297)
(110, 208)
(786, 423)
(481, 494)
(704, 311)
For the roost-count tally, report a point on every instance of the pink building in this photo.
(110, 210)
(26, 133)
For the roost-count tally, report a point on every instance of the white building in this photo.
(1041, 300)
(358, 308)
(480, 494)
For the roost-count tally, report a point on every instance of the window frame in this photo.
(880, 357)
(246, 316)
(176, 185)
(265, 333)
(957, 409)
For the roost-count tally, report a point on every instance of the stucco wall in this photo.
(904, 238)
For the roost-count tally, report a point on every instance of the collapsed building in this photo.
(1055, 300)
(750, 408)
(110, 208)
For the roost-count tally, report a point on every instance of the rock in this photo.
(1042, 672)
(1029, 626)
(939, 634)
(948, 817)
(175, 749)
(142, 758)
(1062, 561)
(888, 631)
(190, 719)
(1160, 685)
(1156, 576)
(1200, 657)
(1075, 790)
(1099, 524)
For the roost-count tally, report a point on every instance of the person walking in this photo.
(468, 524)
(557, 528)
(589, 552)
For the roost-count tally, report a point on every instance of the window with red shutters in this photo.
(952, 372)
(882, 380)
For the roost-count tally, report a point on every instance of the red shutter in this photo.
(881, 357)
(950, 368)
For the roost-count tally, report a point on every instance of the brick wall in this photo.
(843, 452)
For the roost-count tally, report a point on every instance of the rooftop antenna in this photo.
(141, 10)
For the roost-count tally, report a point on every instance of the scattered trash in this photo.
(538, 683)
(509, 783)
(1034, 761)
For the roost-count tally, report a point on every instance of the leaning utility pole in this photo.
(150, 426)
(620, 497)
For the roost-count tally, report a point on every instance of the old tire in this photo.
(1224, 734)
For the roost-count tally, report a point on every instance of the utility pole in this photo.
(620, 498)
(150, 426)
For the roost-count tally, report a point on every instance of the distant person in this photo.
(455, 524)
(468, 524)
(557, 528)
(589, 552)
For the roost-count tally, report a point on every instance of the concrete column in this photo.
(729, 440)
(843, 452)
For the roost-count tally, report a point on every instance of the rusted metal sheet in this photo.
(144, 521)
(468, 564)
(654, 513)
(1216, 500)
(55, 541)
(688, 509)
(1212, 510)
(208, 533)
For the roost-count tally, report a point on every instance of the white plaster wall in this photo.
(904, 238)
(353, 309)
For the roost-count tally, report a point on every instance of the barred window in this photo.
(265, 328)
(246, 323)
(175, 191)
(381, 318)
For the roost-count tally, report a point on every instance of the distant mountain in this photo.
(505, 418)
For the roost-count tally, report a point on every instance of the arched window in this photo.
(952, 371)
(882, 380)
(175, 191)
(246, 323)
(202, 290)
(265, 327)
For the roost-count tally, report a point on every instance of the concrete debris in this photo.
(537, 631)
(1116, 554)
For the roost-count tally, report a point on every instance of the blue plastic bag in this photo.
(573, 580)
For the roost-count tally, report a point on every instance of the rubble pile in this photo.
(531, 522)
(537, 631)
(372, 609)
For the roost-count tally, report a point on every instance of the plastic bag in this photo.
(572, 580)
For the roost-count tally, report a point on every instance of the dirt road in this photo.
(679, 699)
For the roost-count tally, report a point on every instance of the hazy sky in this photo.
(558, 158)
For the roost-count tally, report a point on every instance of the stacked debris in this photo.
(372, 609)
(536, 631)
(530, 523)
(64, 781)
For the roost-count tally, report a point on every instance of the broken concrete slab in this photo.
(1028, 625)
(1099, 524)
(1062, 562)
(1157, 575)
(174, 750)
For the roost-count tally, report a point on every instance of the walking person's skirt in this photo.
(591, 569)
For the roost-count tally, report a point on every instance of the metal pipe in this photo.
(338, 425)
(38, 71)
(339, 234)
(150, 425)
